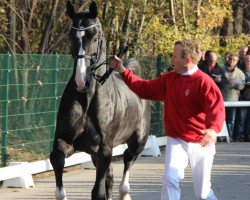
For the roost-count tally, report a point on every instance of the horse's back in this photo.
(133, 65)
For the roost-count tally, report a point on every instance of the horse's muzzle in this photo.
(83, 89)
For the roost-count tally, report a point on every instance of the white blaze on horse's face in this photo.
(80, 77)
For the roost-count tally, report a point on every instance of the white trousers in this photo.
(178, 155)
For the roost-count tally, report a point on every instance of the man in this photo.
(242, 125)
(236, 83)
(212, 68)
(242, 54)
(193, 114)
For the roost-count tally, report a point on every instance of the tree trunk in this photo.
(27, 10)
(235, 26)
(126, 23)
(246, 18)
(172, 13)
(198, 13)
(105, 10)
(25, 46)
(12, 27)
(140, 27)
(48, 28)
(184, 15)
(238, 16)
(117, 41)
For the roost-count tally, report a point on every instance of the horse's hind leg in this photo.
(128, 159)
(135, 147)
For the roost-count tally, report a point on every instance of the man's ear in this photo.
(70, 10)
(188, 60)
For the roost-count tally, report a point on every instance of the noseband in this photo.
(94, 58)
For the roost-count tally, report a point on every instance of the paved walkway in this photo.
(230, 179)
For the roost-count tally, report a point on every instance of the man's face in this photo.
(177, 61)
(243, 52)
(232, 61)
(212, 60)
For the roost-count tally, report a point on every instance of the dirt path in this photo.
(230, 179)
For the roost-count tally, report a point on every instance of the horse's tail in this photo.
(133, 65)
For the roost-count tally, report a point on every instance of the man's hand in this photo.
(210, 137)
(217, 79)
(116, 64)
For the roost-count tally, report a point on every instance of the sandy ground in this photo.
(230, 178)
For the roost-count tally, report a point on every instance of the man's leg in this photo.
(247, 126)
(239, 123)
(201, 161)
(176, 160)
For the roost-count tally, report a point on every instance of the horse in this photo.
(94, 117)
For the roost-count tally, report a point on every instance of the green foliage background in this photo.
(147, 26)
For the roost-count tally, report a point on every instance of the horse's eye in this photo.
(96, 39)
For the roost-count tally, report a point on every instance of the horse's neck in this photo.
(97, 88)
(99, 73)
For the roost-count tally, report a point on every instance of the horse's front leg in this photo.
(57, 160)
(102, 167)
(109, 183)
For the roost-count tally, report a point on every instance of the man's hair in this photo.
(234, 55)
(191, 49)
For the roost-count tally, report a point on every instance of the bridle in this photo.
(95, 57)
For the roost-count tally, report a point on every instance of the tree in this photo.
(236, 29)
(150, 27)
(199, 20)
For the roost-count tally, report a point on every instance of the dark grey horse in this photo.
(95, 118)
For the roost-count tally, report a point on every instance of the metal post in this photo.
(158, 120)
(5, 96)
(54, 102)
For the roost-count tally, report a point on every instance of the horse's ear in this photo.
(93, 12)
(70, 10)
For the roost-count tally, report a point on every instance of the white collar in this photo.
(191, 71)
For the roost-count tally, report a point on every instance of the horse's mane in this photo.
(133, 65)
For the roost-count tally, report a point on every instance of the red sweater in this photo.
(191, 102)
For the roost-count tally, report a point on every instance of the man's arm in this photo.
(145, 89)
(215, 113)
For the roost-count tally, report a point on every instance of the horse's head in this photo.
(86, 39)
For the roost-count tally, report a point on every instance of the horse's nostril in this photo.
(87, 84)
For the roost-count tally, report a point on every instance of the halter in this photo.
(95, 57)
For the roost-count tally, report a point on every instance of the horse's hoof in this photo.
(124, 197)
(60, 194)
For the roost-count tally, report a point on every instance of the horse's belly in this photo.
(122, 135)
